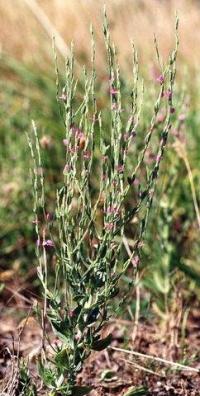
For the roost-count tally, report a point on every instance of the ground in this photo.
(110, 372)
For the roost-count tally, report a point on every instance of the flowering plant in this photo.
(87, 230)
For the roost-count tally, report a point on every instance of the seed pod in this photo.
(82, 142)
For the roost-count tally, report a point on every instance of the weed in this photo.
(85, 230)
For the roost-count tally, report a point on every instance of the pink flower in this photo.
(87, 155)
(39, 171)
(126, 136)
(72, 150)
(136, 182)
(71, 313)
(94, 118)
(131, 120)
(151, 192)
(120, 168)
(49, 216)
(140, 244)
(104, 158)
(160, 79)
(182, 117)
(77, 131)
(80, 134)
(114, 183)
(46, 142)
(63, 97)
(168, 94)
(38, 242)
(66, 169)
(112, 210)
(113, 91)
(65, 142)
(135, 261)
(160, 117)
(48, 243)
(109, 226)
(150, 157)
(158, 158)
(114, 106)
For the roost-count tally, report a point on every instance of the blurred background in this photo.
(170, 268)
(24, 26)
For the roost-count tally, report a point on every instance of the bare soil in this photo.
(110, 372)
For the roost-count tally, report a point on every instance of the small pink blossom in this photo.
(136, 182)
(56, 342)
(113, 91)
(109, 226)
(63, 97)
(104, 158)
(72, 150)
(114, 183)
(131, 120)
(140, 244)
(160, 79)
(87, 155)
(46, 142)
(39, 171)
(126, 136)
(135, 261)
(114, 106)
(48, 243)
(182, 117)
(94, 118)
(151, 192)
(71, 313)
(49, 216)
(80, 135)
(158, 158)
(150, 157)
(168, 94)
(38, 242)
(160, 117)
(65, 142)
(77, 131)
(67, 169)
(120, 168)
(112, 210)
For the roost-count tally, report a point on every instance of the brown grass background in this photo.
(22, 36)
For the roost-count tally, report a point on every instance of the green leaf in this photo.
(108, 376)
(46, 374)
(2, 285)
(81, 390)
(62, 358)
(133, 391)
(188, 271)
(99, 345)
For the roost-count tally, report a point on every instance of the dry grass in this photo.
(22, 36)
